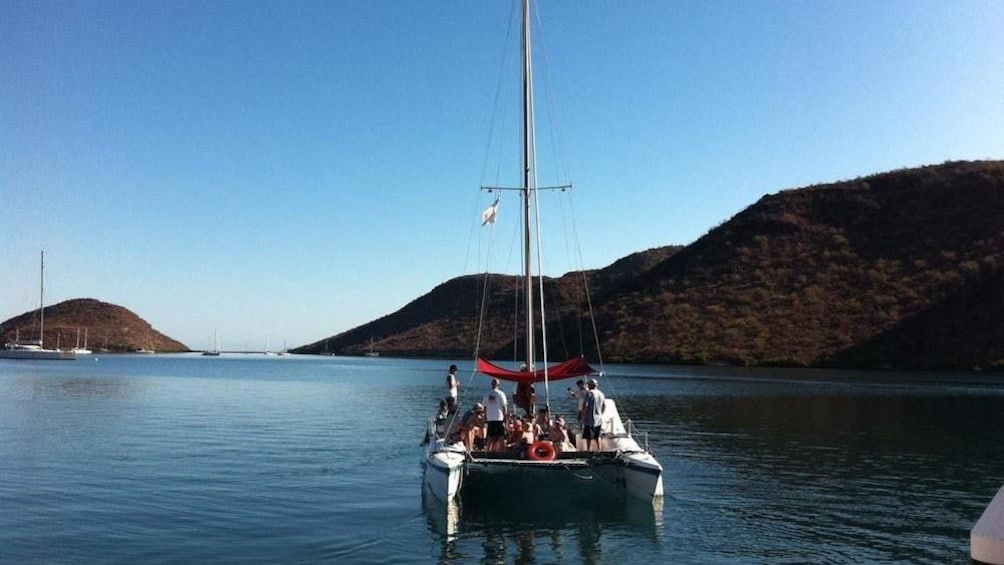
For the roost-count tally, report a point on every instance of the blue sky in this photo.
(289, 170)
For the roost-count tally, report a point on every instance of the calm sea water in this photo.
(294, 459)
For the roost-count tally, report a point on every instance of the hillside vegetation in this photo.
(109, 327)
(900, 269)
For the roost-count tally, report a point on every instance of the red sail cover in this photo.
(569, 369)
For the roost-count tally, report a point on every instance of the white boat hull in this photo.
(621, 463)
(986, 539)
(639, 472)
(42, 354)
(443, 470)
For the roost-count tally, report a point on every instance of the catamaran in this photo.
(35, 349)
(449, 464)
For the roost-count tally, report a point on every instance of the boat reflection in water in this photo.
(547, 520)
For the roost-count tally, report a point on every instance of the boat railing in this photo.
(633, 430)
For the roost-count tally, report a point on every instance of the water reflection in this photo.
(790, 469)
(542, 523)
(79, 388)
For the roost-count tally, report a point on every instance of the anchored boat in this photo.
(35, 349)
(451, 464)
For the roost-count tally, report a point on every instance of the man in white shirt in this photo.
(496, 408)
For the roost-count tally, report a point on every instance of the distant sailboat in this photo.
(214, 347)
(81, 350)
(372, 353)
(35, 349)
(104, 345)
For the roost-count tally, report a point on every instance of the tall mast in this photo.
(41, 302)
(527, 179)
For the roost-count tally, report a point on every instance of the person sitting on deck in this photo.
(515, 435)
(468, 427)
(525, 398)
(441, 417)
(523, 435)
(558, 435)
(442, 420)
(531, 431)
(544, 422)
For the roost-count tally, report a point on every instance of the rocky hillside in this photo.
(894, 270)
(108, 326)
(900, 269)
(442, 322)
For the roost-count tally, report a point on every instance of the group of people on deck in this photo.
(492, 426)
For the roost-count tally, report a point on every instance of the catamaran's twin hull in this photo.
(443, 470)
(621, 462)
(636, 469)
(637, 473)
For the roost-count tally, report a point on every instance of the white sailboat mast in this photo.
(41, 302)
(528, 179)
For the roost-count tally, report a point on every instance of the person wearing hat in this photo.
(496, 409)
(558, 435)
(594, 404)
(469, 426)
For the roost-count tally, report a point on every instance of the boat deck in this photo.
(562, 460)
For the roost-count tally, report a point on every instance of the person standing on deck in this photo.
(579, 394)
(452, 384)
(467, 428)
(594, 404)
(526, 398)
(496, 409)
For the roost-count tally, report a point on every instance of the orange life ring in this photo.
(541, 451)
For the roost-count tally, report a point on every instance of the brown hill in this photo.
(109, 327)
(442, 322)
(860, 273)
(901, 269)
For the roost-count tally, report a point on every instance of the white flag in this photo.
(488, 216)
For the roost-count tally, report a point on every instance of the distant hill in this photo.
(899, 269)
(108, 327)
(442, 322)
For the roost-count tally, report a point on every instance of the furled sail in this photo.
(572, 368)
